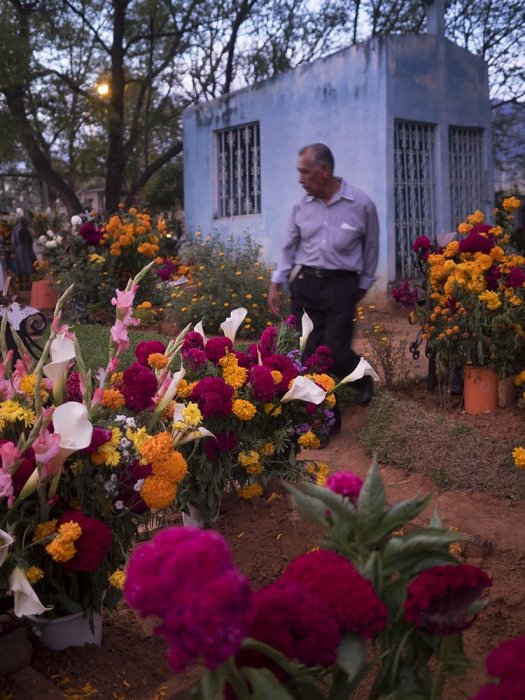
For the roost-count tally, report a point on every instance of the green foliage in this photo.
(225, 274)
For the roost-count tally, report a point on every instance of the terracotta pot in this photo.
(67, 631)
(43, 296)
(480, 390)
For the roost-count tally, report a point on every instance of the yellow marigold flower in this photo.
(185, 388)
(319, 470)
(115, 250)
(192, 415)
(117, 579)
(323, 380)
(158, 492)
(254, 468)
(497, 253)
(232, 374)
(464, 229)
(476, 218)
(148, 249)
(113, 399)
(137, 437)
(330, 400)
(309, 441)
(108, 452)
(96, 258)
(27, 386)
(248, 459)
(244, 410)
(451, 249)
(518, 454)
(172, 467)
(45, 529)
(520, 378)
(157, 360)
(496, 231)
(515, 300)
(267, 449)
(157, 447)
(511, 204)
(249, 491)
(62, 548)
(132, 211)
(276, 376)
(145, 305)
(491, 299)
(270, 408)
(34, 574)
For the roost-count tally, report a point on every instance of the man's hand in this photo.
(360, 294)
(274, 300)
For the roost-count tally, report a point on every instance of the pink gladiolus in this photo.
(10, 454)
(124, 303)
(46, 446)
(119, 335)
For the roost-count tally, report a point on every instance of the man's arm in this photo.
(274, 299)
(370, 252)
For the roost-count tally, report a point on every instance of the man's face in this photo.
(312, 177)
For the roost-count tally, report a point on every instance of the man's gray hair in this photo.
(321, 153)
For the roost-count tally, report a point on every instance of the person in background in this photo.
(24, 255)
(328, 262)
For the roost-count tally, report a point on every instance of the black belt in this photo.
(322, 272)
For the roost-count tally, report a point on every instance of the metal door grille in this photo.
(239, 171)
(414, 184)
(466, 172)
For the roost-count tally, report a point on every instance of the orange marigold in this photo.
(158, 492)
(112, 398)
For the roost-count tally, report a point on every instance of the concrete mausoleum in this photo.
(406, 116)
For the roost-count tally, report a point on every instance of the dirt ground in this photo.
(266, 534)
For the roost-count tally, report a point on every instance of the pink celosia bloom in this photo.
(46, 446)
(10, 454)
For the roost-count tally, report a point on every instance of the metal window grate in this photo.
(414, 185)
(466, 172)
(239, 171)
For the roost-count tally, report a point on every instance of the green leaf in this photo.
(397, 516)
(211, 685)
(351, 655)
(310, 507)
(412, 564)
(265, 685)
(420, 541)
(371, 502)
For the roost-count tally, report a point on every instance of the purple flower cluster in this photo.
(213, 396)
(345, 483)
(186, 577)
(139, 387)
(507, 662)
(439, 599)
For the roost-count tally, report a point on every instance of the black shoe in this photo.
(365, 391)
(334, 430)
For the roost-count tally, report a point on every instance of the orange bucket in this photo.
(480, 389)
(43, 296)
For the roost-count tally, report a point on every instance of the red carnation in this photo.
(351, 598)
(439, 599)
(146, 348)
(92, 545)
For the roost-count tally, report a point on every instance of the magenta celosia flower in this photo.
(422, 246)
(213, 396)
(300, 625)
(492, 276)
(283, 365)
(439, 599)
(405, 295)
(291, 321)
(351, 598)
(515, 278)
(268, 341)
(186, 577)
(98, 438)
(242, 358)
(345, 483)
(192, 340)
(196, 359)
(216, 348)
(476, 243)
(73, 389)
(320, 360)
(92, 545)
(166, 269)
(262, 384)
(139, 387)
(90, 233)
(507, 662)
(222, 442)
(146, 348)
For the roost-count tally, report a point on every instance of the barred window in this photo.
(238, 171)
(466, 172)
(414, 189)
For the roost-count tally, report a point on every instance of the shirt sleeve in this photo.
(370, 249)
(291, 243)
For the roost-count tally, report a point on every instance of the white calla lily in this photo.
(362, 369)
(62, 352)
(231, 325)
(62, 348)
(195, 434)
(26, 600)
(304, 389)
(70, 421)
(307, 327)
(5, 542)
(199, 328)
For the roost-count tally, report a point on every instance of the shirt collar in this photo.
(344, 192)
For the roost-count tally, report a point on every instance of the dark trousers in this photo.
(330, 303)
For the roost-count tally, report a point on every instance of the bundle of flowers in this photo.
(262, 406)
(371, 603)
(475, 288)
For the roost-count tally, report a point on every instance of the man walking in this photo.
(329, 260)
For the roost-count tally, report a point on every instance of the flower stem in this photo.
(445, 650)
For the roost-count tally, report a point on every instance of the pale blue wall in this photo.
(348, 101)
